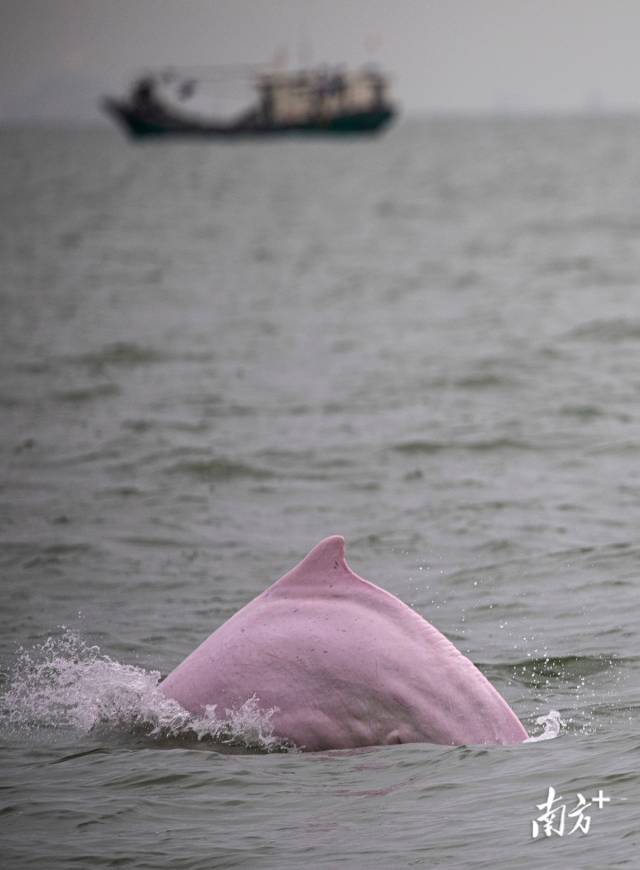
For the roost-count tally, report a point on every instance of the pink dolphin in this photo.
(345, 663)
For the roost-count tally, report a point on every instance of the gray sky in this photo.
(58, 56)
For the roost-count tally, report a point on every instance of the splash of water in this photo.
(65, 683)
(552, 724)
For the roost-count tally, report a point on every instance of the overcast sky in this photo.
(58, 56)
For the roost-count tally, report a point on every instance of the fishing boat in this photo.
(319, 101)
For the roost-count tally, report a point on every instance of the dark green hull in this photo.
(157, 124)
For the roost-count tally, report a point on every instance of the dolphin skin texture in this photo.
(345, 663)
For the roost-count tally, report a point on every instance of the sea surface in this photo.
(213, 355)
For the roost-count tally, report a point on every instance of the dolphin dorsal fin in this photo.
(328, 555)
(322, 567)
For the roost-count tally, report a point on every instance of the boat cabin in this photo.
(294, 98)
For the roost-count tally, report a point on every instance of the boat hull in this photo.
(159, 124)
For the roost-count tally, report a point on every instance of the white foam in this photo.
(66, 683)
(552, 725)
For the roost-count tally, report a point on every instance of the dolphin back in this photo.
(345, 663)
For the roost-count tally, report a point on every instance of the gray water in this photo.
(212, 356)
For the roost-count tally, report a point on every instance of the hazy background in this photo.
(213, 355)
(58, 56)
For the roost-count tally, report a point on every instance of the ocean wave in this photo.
(219, 469)
(119, 353)
(67, 684)
(484, 380)
(607, 330)
(538, 673)
(87, 394)
(484, 445)
(128, 354)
